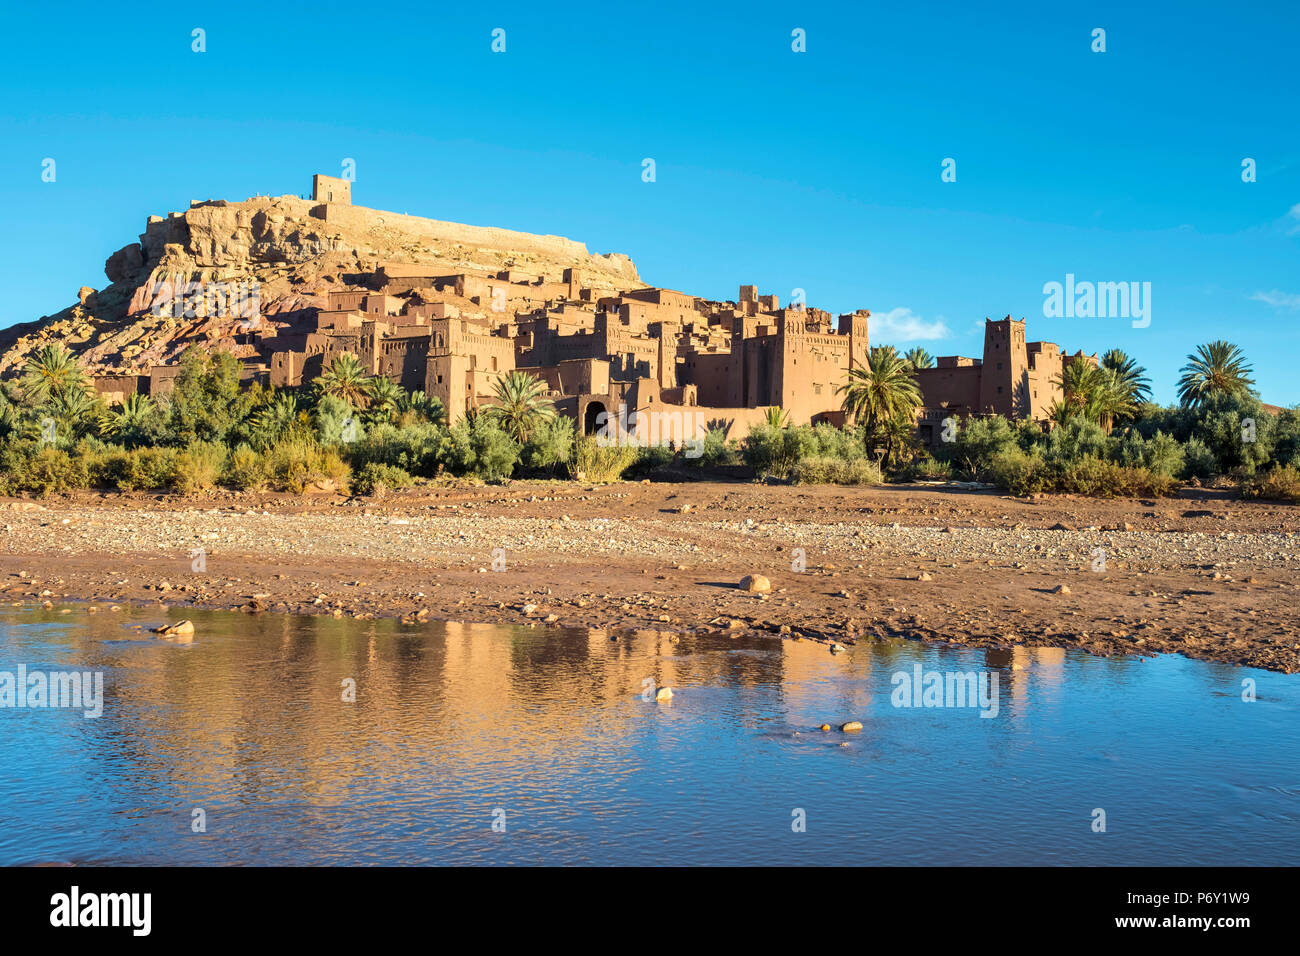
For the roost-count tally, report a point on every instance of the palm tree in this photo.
(1218, 368)
(1130, 377)
(422, 407)
(776, 417)
(73, 408)
(919, 358)
(882, 391)
(128, 420)
(385, 397)
(1093, 392)
(520, 405)
(274, 419)
(50, 371)
(346, 379)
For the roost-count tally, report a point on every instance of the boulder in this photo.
(755, 583)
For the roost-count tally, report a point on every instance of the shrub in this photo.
(198, 466)
(294, 463)
(594, 462)
(1279, 483)
(42, 472)
(713, 450)
(245, 469)
(1098, 478)
(549, 446)
(1076, 440)
(479, 448)
(376, 479)
(1198, 461)
(775, 451)
(1021, 473)
(979, 441)
(415, 448)
(930, 469)
(144, 469)
(825, 470)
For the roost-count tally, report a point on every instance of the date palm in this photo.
(51, 370)
(919, 358)
(776, 417)
(385, 396)
(1218, 368)
(274, 419)
(125, 423)
(345, 378)
(1093, 392)
(882, 391)
(423, 407)
(1130, 378)
(520, 405)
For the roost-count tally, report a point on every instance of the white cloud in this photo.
(902, 325)
(1294, 213)
(1279, 300)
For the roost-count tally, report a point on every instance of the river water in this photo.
(494, 745)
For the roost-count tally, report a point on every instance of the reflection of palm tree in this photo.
(1218, 368)
(520, 405)
(346, 379)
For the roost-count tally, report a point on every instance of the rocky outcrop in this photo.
(296, 251)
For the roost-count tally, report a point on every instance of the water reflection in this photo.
(455, 726)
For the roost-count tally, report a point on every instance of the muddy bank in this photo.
(1204, 575)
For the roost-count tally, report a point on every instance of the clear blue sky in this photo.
(817, 170)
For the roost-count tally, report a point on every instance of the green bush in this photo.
(930, 469)
(549, 446)
(479, 448)
(245, 470)
(42, 471)
(595, 462)
(294, 463)
(1099, 478)
(198, 466)
(1279, 483)
(1199, 461)
(143, 469)
(775, 451)
(1021, 473)
(376, 479)
(978, 442)
(825, 470)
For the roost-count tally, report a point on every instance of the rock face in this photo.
(296, 251)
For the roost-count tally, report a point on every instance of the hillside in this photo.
(296, 250)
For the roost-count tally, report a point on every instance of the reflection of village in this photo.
(489, 704)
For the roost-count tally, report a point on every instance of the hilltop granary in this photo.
(599, 339)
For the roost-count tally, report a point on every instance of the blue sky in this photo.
(817, 170)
